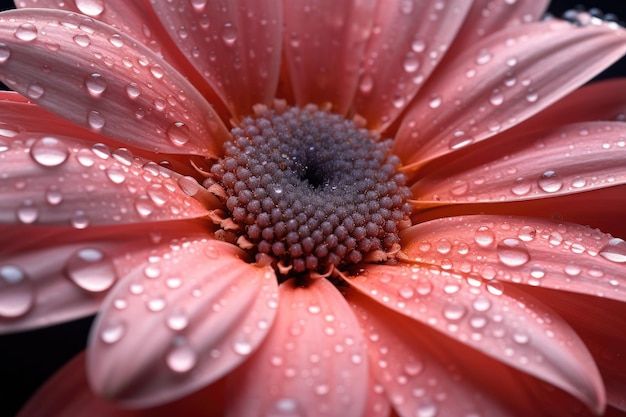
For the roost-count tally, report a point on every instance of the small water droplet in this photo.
(182, 358)
(90, 7)
(5, 53)
(113, 331)
(481, 304)
(614, 250)
(198, 5)
(54, 197)
(527, 233)
(116, 40)
(426, 409)
(96, 84)
(521, 338)
(156, 304)
(27, 213)
(229, 34)
(178, 133)
(434, 102)
(79, 219)
(484, 236)
(550, 182)
(133, 90)
(454, 311)
(17, 294)
(177, 320)
(512, 252)
(484, 56)
(242, 347)
(35, 91)
(49, 152)
(406, 292)
(157, 72)
(95, 120)
(424, 287)
(26, 32)
(91, 269)
(82, 40)
(143, 206)
(115, 174)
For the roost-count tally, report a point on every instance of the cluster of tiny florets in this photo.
(311, 190)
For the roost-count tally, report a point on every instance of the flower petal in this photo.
(491, 317)
(105, 81)
(534, 252)
(391, 76)
(313, 360)
(564, 160)
(416, 364)
(599, 322)
(487, 17)
(59, 180)
(49, 275)
(67, 393)
(235, 45)
(324, 45)
(501, 81)
(200, 322)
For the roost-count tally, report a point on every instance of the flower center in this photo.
(311, 191)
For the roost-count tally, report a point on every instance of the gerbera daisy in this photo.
(341, 208)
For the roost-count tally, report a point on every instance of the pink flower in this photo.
(297, 262)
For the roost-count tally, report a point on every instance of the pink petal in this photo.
(324, 45)
(193, 309)
(235, 45)
(492, 317)
(564, 160)
(391, 76)
(601, 100)
(313, 360)
(59, 180)
(528, 251)
(67, 393)
(487, 17)
(501, 81)
(600, 323)
(415, 365)
(103, 80)
(51, 275)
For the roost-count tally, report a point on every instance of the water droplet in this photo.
(49, 152)
(198, 5)
(96, 84)
(157, 72)
(156, 304)
(181, 359)
(460, 140)
(17, 295)
(285, 407)
(35, 91)
(143, 206)
(512, 252)
(411, 63)
(54, 197)
(435, 101)
(484, 236)
(178, 133)
(550, 182)
(229, 34)
(133, 90)
(481, 304)
(177, 320)
(123, 156)
(116, 40)
(484, 56)
(27, 213)
(242, 347)
(116, 175)
(454, 311)
(82, 40)
(26, 32)
(424, 287)
(91, 269)
(5, 53)
(614, 250)
(95, 120)
(426, 409)
(90, 7)
(521, 338)
(113, 331)
(495, 287)
(527, 233)
(79, 219)
(406, 292)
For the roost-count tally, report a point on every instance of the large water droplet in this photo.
(550, 182)
(484, 236)
(90, 7)
(181, 359)
(178, 133)
(95, 120)
(26, 32)
(614, 250)
(49, 152)
(512, 252)
(229, 34)
(17, 294)
(96, 84)
(91, 269)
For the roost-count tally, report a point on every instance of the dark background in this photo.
(27, 359)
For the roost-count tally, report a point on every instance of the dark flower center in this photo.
(311, 191)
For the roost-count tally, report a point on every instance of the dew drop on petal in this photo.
(242, 347)
(26, 32)
(82, 40)
(5, 53)
(49, 152)
(79, 219)
(229, 34)
(133, 90)
(614, 250)
(484, 236)
(285, 407)
(550, 182)
(95, 120)
(113, 331)
(90, 7)
(35, 91)
(181, 359)
(512, 252)
(454, 311)
(198, 5)
(95, 84)
(17, 294)
(177, 320)
(178, 133)
(115, 174)
(27, 213)
(91, 269)
(54, 197)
